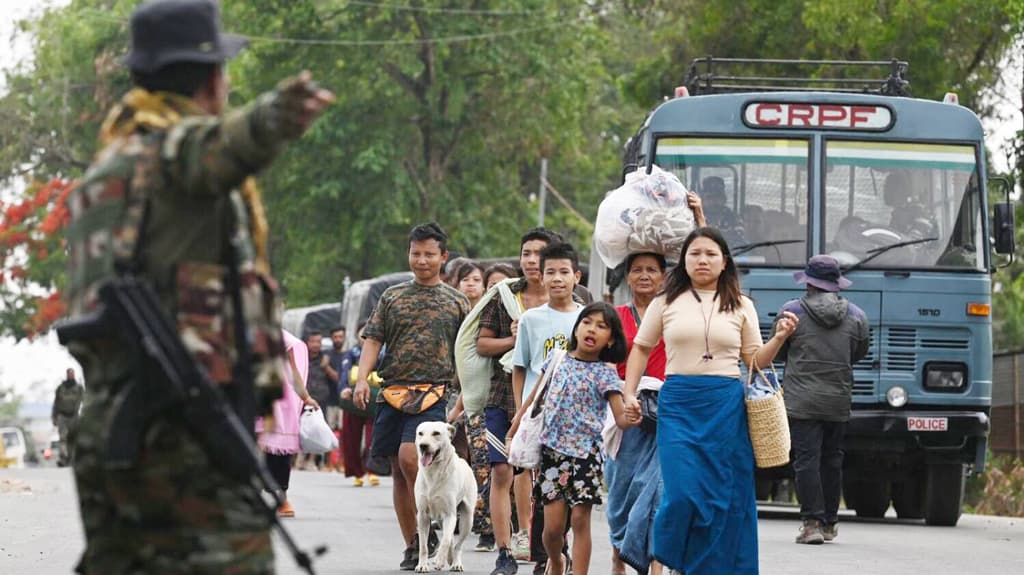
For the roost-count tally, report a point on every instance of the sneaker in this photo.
(374, 480)
(521, 546)
(358, 482)
(486, 543)
(411, 557)
(285, 510)
(830, 531)
(432, 540)
(505, 564)
(810, 533)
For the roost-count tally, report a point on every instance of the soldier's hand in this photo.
(361, 396)
(300, 101)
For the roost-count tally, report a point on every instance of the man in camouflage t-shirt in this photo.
(417, 321)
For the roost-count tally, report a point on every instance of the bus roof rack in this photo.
(713, 81)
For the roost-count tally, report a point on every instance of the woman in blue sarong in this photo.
(706, 523)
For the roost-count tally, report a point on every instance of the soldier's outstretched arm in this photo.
(207, 155)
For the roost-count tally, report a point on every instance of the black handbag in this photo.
(648, 398)
(649, 410)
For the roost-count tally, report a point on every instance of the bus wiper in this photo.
(744, 248)
(875, 252)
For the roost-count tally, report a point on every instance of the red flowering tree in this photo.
(32, 258)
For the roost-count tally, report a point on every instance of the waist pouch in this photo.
(413, 398)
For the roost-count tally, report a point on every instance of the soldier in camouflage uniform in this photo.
(169, 199)
(64, 415)
(417, 321)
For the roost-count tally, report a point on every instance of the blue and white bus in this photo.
(894, 188)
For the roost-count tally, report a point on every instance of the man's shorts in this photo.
(392, 427)
(498, 422)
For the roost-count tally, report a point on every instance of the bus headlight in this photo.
(944, 376)
(896, 396)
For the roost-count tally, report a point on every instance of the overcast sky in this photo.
(35, 367)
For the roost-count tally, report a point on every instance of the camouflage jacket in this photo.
(68, 399)
(164, 198)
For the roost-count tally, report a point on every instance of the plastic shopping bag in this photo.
(648, 213)
(315, 436)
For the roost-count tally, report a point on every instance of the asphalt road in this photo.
(40, 534)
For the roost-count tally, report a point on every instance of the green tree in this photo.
(443, 114)
(445, 108)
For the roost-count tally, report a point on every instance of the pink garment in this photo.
(283, 439)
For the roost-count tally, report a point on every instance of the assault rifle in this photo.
(172, 382)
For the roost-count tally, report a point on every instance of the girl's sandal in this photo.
(565, 570)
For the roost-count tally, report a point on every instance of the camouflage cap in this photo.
(169, 31)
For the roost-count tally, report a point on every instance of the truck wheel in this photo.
(867, 498)
(908, 497)
(944, 494)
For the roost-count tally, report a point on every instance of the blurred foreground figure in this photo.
(169, 200)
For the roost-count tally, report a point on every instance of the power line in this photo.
(428, 9)
(410, 42)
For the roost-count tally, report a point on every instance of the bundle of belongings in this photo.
(648, 213)
(474, 369)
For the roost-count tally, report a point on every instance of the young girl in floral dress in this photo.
(575, 400)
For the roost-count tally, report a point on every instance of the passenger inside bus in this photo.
(754, 223)
(909, 216)
(717, 211)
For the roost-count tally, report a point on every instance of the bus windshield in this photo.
(754, 190)
(923, 196)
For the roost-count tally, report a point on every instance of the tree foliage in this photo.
(445, 108)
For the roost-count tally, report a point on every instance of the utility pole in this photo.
(543, 192)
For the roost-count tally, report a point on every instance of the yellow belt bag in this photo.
(413, 398)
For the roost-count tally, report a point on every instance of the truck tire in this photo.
(867, 498)
(945, 494)
(908, 497)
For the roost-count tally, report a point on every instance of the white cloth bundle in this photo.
(648, 213)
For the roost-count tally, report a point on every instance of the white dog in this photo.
(445, 492)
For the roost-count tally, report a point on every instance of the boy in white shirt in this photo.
(548, 326)
(542, 329)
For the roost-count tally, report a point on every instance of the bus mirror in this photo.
(1002, 217)
(1002, 228)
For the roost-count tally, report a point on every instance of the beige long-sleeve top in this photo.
(682, 324)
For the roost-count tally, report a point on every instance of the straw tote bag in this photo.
(766, 417)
